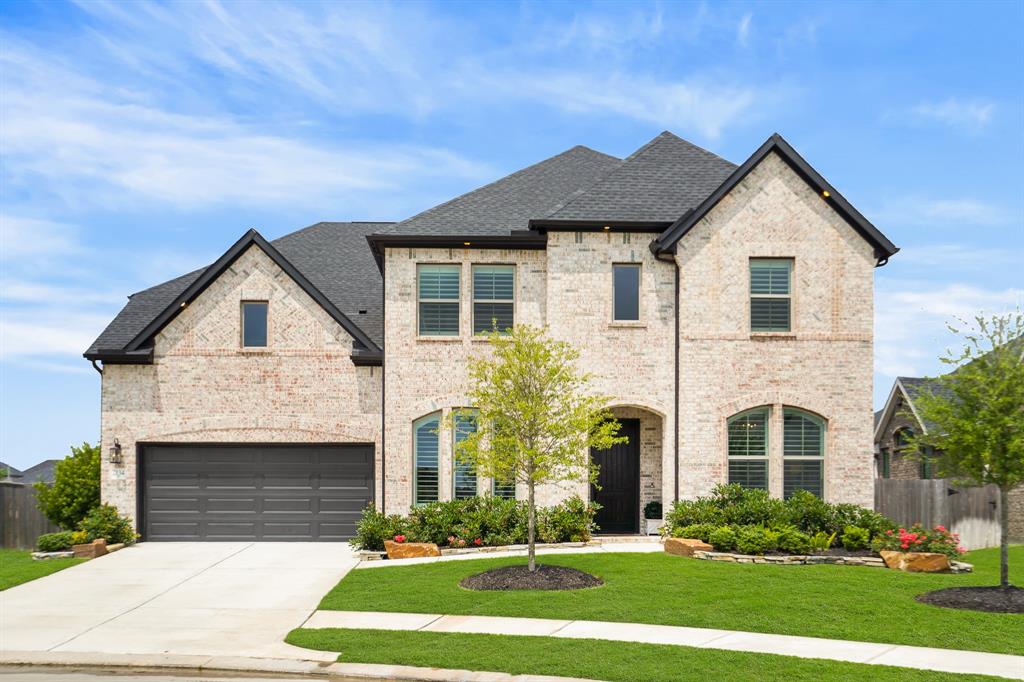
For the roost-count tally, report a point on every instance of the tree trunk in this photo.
(531, 529)
(1004, 537)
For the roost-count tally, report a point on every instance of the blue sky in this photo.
(139, 140)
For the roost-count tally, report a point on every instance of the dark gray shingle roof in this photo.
(334, 257)
(509, 203)
(44, 471)
(658, 182)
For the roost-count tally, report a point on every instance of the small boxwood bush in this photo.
(698, 531)
(54, 542)
(105, 522)
(856, 538)
(723, 539)
(793, 541)
(754, 540)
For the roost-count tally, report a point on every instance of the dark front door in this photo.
(618, 482)
(311, 492)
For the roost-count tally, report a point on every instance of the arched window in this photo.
(425, 458)
(748, 448)
(463, 473)
(901, 438)
(803, 452)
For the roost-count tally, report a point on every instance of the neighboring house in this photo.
(898, 420)
(40, 473)
(10, 474)
(726, 311)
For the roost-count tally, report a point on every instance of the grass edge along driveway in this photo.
(834, 602)
(17, 567)
(590, 658)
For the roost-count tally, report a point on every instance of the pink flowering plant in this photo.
(920, 539)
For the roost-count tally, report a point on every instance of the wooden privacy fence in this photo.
(21, 522)
(971, 512)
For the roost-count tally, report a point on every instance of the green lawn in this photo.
(838, 602)
(590, 658)
(17, 567)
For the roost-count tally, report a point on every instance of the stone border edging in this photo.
(369, 555)
(197, 664)
(808, 559)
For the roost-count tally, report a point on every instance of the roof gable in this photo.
(884, 248)
(657, 183)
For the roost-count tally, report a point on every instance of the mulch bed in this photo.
(992, 599)
(520, 578)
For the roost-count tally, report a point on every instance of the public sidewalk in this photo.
(922, 658)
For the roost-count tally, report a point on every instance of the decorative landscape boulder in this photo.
(90, 550)
(410, 550)
(916, 562)
(686, 546)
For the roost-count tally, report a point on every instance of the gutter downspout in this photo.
(97, 368)
(675, 398)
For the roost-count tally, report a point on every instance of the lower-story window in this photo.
(506, 490)
(463, 473)
(425, 458)
(748, 448)
(803, 452)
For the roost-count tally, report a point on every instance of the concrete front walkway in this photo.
(215, 599)
(923, 658)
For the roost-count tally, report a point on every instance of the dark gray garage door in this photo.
(254, 492)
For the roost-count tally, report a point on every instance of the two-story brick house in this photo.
(726, 311)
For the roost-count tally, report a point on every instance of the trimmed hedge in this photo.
(796, 520)
(477, 522)
(54, 542)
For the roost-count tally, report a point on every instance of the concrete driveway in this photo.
(225, 598)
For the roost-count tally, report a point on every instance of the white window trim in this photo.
(472, 280)
(455, 461)
(415, 454)
(767, 260)
(766, 457)
(823, 423)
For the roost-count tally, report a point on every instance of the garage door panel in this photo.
(258, 492)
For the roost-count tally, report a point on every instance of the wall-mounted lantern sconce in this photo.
(115, 453)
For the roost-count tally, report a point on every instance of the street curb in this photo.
(178, 663)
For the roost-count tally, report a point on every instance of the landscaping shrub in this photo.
(477, 521)
(723, 539)
(754, 540)
(802, 512)
(697, 531)
(375, 527)
(75, 490)
(78, 537)
(822, 540)
(919, 539)
(792, 541)
(54, 542)
(856, 538)
(104, 522)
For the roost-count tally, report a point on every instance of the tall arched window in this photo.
(803, 452)
(425, 458)
(463, 473)
(748, 448)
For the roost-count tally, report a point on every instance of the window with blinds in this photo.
(438, 292)
(748, 448)
(803, 452)
(770, 300)
(506, 490)
(493, 298)
(425, 457)
(463, 473)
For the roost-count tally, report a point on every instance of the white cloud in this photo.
(48, 332)
(911, 319)
(960, 256)
(970, 115)
(743, 30)
(948, 212)
(22, 237)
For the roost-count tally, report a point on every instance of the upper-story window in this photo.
(438, 288)
(254, 324)
(902, 437)
(770, 294)
(493, 298)
(627, 292)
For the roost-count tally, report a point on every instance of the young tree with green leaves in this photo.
(75, 490)
(536, 421)
(977, 422)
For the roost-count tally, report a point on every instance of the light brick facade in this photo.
(202, 387)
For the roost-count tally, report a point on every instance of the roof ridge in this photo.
(514, 174)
